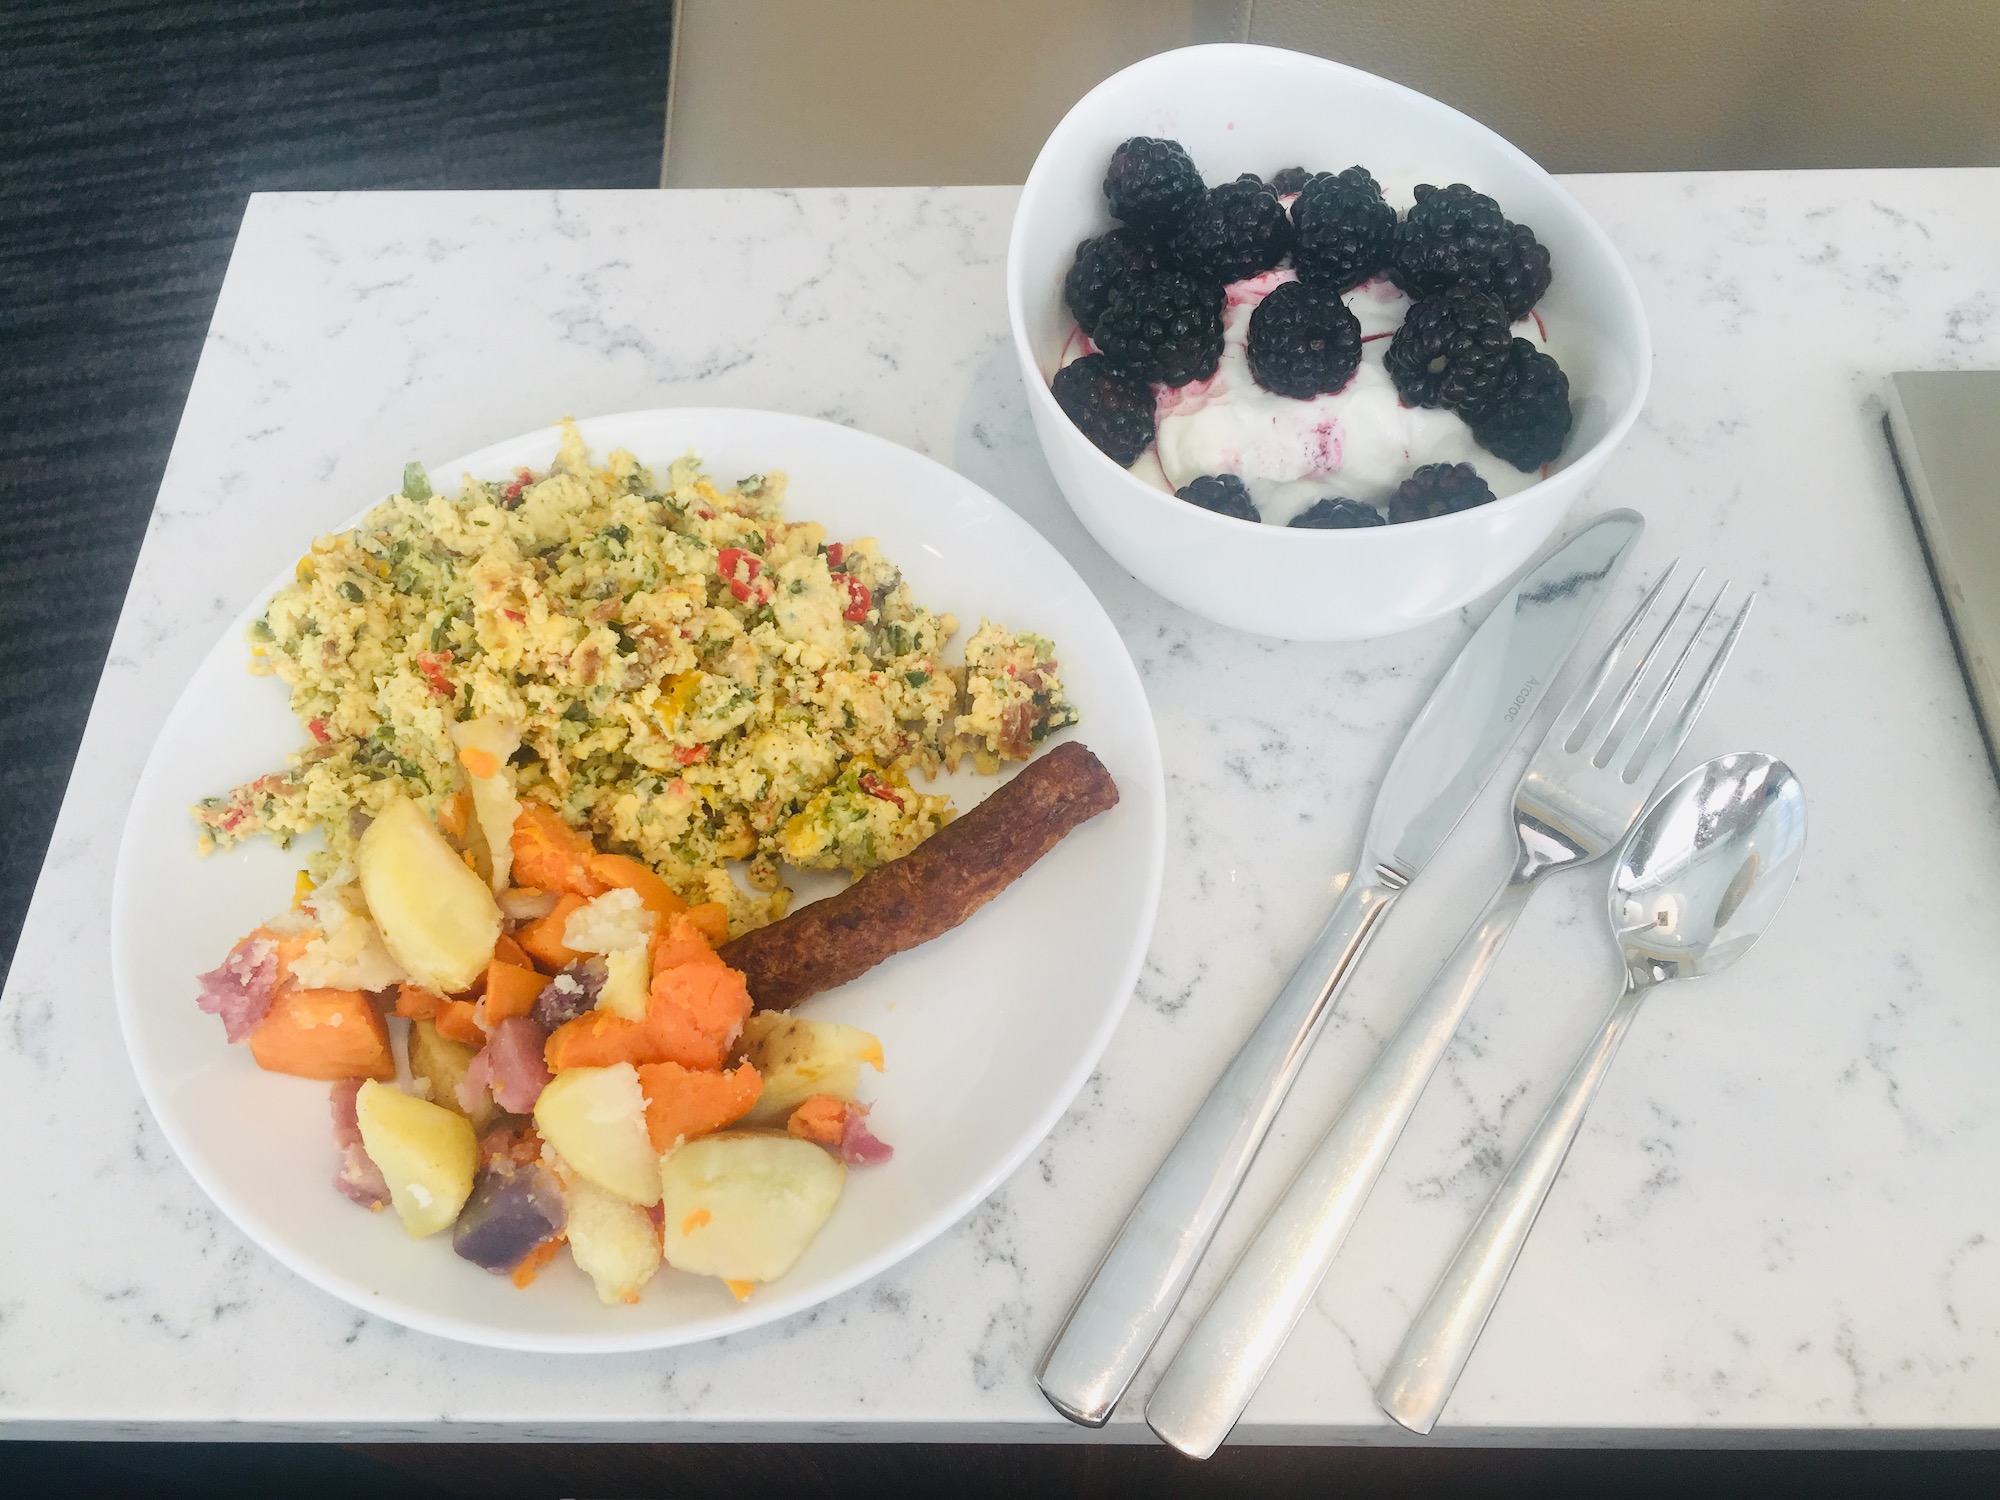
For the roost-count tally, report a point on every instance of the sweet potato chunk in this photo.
(709, 995)
(685, 936)
(510, 991)
(459, 1020)
(694, 1012)
(414, 1002)
(622, 872)
(326, 1034)
(821, 1119)
(508, 951)
(682, 1103)
(551, 855)
(712, 919)
(543, 937)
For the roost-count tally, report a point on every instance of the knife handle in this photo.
(1233, 1346)
(1133, 1292)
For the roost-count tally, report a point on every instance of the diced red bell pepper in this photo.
(739, 569)
(875, 786)
(858, 600)
(432, 665)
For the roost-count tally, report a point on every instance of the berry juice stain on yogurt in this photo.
(1358, 442)
(1324, 447)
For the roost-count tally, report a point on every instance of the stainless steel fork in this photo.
(1584, 787)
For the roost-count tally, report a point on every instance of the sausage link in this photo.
(928, 891)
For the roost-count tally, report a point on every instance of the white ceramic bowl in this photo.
(1257, 109)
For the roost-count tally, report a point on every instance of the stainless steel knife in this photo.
(1463, 732)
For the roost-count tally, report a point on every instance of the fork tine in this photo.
(1662, 754)
(1579, 701)
(1643, 717)
(1609, 723)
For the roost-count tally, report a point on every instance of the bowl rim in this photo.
(1261, 55)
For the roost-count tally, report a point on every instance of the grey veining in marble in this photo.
(1784, 1214)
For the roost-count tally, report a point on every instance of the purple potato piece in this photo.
(512, 1210)
(570, 993)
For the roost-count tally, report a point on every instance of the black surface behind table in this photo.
(132, 135)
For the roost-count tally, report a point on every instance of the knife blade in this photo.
(1450, 751)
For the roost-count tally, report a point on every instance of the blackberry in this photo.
(1438, 490)
(1450, 350)
(1151, 182)
(1237, 230)
(1344, 232)
(1456, 235)
(1102, 266)
(1531, 274)
(1222, 493)
(1338, 514)
(1303, 340)
(1289, 181)
(1528, 419)
(1166, 328)
(1114, 411)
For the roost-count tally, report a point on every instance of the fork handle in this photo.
(1420, 1378)
(1233, 1347)
(1137, 1285)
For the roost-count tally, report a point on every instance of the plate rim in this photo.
(750, 1314)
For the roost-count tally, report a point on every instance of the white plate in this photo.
(989, 1032)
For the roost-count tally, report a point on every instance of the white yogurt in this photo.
(1358, 442)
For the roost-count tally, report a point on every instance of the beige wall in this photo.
(1622, 85)
(814, 92)
(807, 93)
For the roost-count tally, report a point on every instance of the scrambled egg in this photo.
(694, 678)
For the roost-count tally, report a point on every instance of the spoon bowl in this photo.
(1707, 868)
(1696, 884)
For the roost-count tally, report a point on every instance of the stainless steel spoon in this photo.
(1696, 884)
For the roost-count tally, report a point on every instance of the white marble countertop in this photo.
(1783, 1216)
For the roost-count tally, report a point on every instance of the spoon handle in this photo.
(1229, 1352)
(1420, 1378)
